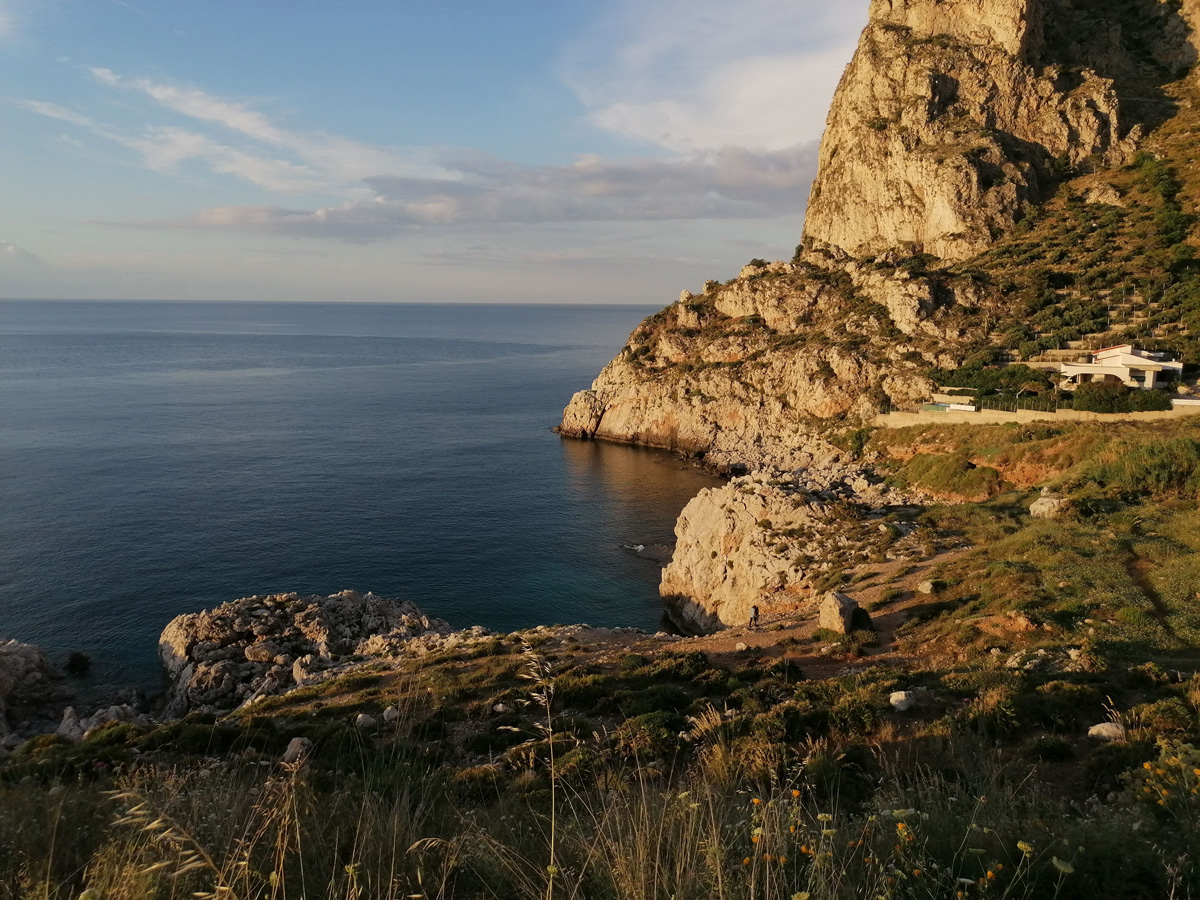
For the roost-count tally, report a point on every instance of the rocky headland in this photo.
(958, 127)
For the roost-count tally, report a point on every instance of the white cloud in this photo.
(7, 22)
(12, 255)
(701, 74)
(54, 111)
(731, 183)
(336, 161)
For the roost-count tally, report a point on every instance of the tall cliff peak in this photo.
(955, 116)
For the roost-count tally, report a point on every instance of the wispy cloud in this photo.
(695, 74)
(726, 184)
(54, 111)
(7, 23)
(336, 161)
(737, 93)
(12, 255)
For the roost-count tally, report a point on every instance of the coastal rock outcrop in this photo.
(765, 540)
(740, 374)
(959, 125)
(263, 645)
(31, 690)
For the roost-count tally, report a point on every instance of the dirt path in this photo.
(788, 635)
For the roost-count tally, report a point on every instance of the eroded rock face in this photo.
(762, 540)
(30, 688)
(953, 115)
(263, 645)
(701, 378)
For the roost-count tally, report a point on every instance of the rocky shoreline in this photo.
(238, 654)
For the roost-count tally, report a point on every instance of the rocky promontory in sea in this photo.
(996, 180)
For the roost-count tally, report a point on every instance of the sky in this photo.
(614, 151)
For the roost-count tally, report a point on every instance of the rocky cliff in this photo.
(991, 173)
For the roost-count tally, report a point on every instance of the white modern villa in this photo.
(1125, 364)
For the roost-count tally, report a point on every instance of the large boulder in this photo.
(842, 614)
(1048, 506)
(30, 687)
(258, 646)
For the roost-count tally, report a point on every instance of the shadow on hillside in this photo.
(1148, 50)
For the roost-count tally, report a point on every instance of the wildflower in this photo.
(829, 832)
(754, 839)
(824, 817)
(792, 829)
(801, 895)
(903, 813)
(746, 861)
(916, 873)
(756, 801)
(991, 876)
(1025, 847)
(795, 793)
(1065, 867)
(783, 859)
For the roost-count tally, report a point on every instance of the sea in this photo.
(162, 458)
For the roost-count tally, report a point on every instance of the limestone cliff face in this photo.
(953, 116)
(744, 373)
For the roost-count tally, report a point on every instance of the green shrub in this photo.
(1101, 397)
(651, 735)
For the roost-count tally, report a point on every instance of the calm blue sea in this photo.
(159, 458)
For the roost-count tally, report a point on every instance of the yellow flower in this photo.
(824, 817)
(1064, 867)
(801, 895)
(1025, 847)
(756, 801)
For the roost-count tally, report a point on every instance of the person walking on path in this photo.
(754, 617)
